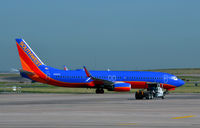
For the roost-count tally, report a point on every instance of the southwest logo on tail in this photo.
(28, 58)
(30, 53)
(153, 82)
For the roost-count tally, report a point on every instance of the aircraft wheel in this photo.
(139, 95)
(136, 96)
(151, 96)
(101, 91)
(148, 97)
(97, 91)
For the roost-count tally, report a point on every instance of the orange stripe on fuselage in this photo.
(33, 77)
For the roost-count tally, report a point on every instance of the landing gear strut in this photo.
(99, 91)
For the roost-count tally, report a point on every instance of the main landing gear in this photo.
(99, 91)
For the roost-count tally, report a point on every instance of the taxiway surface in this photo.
(95, 111)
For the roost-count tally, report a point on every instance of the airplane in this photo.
(122, 81)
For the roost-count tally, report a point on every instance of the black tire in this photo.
(147, 96)
(151, 96)
(102, 91)
(136, 96)
(141, 94)
(97, 91)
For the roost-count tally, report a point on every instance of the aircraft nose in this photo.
(180, 82)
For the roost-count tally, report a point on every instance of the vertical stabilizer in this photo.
(29, 60)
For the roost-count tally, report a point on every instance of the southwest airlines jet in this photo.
(33, 68)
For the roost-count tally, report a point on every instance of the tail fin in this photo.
(29, 60)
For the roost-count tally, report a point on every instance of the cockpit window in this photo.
(174, 78)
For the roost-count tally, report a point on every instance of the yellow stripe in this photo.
(128, 124)
(183, 117)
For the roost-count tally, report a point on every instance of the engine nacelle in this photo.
(122, 87)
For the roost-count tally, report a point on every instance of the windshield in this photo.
(174, 78)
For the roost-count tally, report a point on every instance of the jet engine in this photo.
(122, 87)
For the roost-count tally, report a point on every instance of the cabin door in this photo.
(165, 79)
(47, 74)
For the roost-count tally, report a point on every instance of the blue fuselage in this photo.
(79, 76)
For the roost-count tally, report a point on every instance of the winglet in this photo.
(86, 71)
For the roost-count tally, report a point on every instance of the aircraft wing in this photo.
(98, 81)
(103, 82)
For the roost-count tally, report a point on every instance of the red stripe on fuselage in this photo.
(122, 89)
(144, 85)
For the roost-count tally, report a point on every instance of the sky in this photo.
(102, 34)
